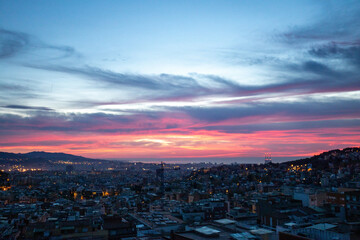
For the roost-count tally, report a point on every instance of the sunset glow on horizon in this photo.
(179, 79)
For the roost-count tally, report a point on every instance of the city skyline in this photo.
(179, 79)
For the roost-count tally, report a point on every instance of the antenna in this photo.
(267, 158)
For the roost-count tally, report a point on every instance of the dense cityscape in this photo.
(180, 120)
(314, 198)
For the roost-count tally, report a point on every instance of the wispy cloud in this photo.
(349, 52)
(156, 82)
(13, 43)
(45, 143)
(309, 108)
(338, 23)
(286, 126)
(28, 107)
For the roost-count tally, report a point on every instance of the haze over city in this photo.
(190, 80)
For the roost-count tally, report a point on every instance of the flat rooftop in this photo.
(225, 221)
(157, 219)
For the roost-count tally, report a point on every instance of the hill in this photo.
(332, 158)
(52, 161)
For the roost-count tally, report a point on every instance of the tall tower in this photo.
(160, 177)
(267, 158)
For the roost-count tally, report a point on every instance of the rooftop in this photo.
(323, 226)
(225, 221)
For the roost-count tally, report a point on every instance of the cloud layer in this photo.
(303, 99)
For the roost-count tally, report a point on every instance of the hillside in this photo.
(51, 161)
(332, 158)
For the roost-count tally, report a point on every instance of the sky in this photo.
(179, 79)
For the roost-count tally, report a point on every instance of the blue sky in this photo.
(159, 36)
(156, 72)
